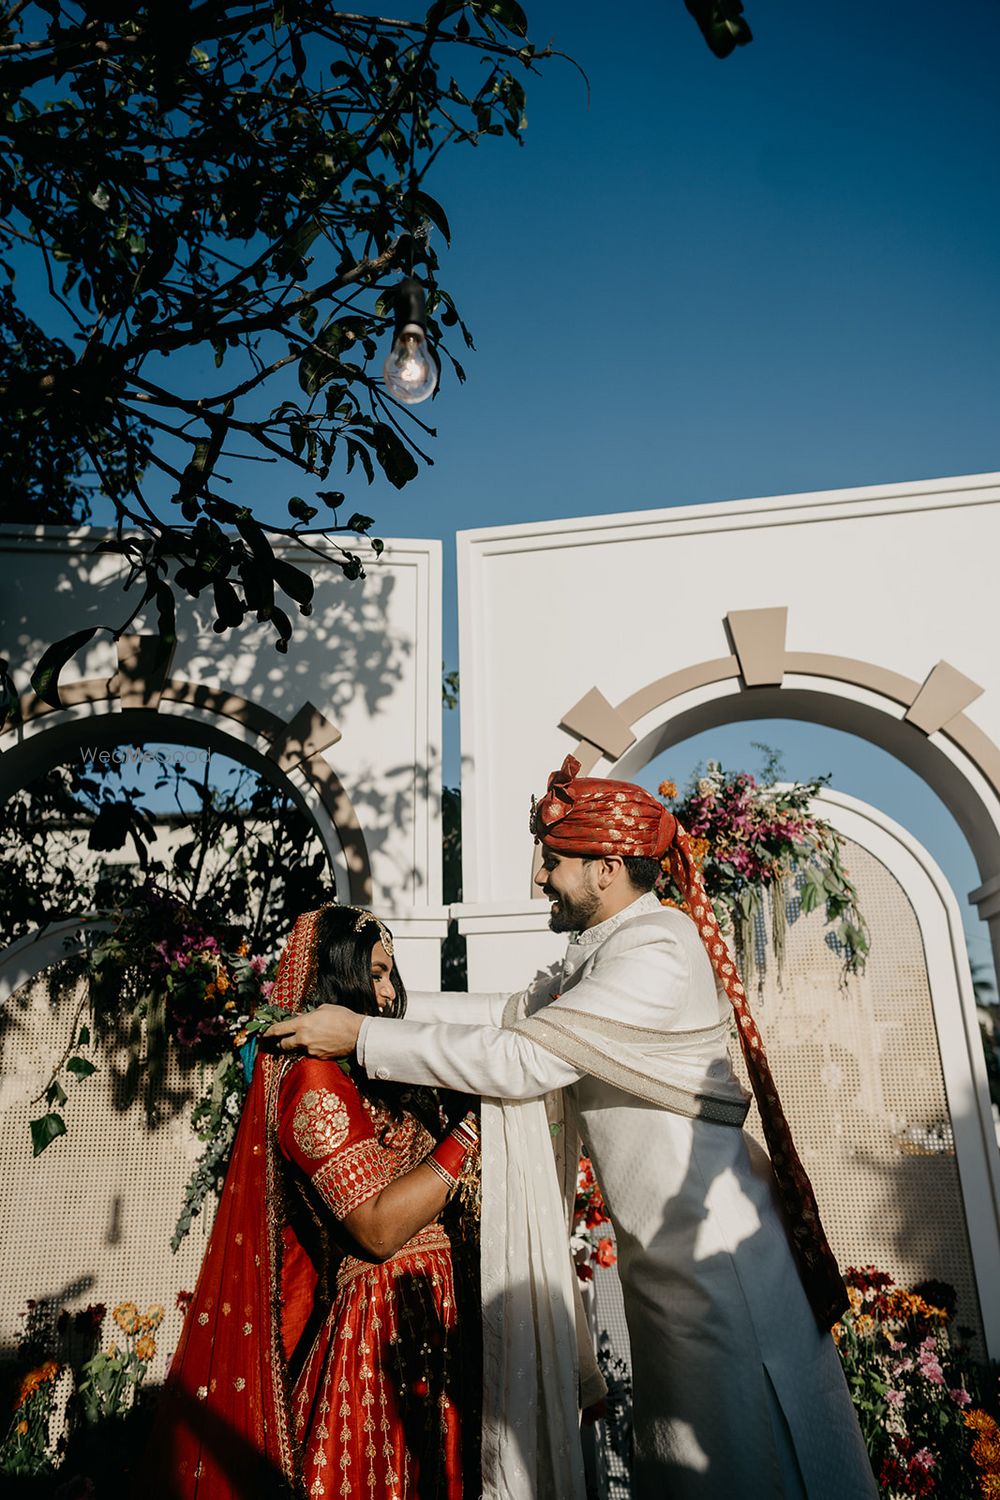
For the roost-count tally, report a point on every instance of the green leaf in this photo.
(83, 1039)
(431, 209)
(298, 508)
(297, 584)
(45, 1131)
(80, 1067)
(509, 14)
(55, 1093)
(45, 677)
(359, 522)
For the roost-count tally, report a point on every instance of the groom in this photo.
(728, 1282)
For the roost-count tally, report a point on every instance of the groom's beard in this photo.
(571, 913)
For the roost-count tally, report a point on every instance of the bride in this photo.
(320, 1354)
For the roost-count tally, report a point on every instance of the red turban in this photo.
(589, 815)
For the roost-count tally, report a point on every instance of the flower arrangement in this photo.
(911, 1390)
(590, 1215)
(158, 973)
(111, 1379)
(27, 1448)
(753, 839)
(66, 1397)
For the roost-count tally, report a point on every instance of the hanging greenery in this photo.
(760, 845)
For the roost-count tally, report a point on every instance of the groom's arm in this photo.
(457, 1005)
(472, 1059)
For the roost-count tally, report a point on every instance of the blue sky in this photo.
(715, 280)
(725, 279)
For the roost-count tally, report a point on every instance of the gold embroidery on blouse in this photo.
(320, 1123)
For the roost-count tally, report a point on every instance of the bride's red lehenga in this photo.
(372, 1408)
(303, 1367)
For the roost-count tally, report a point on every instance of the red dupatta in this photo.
(223, 1428)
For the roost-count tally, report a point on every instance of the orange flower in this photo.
(154, 1315)
(699, 849)
(21, 1428)
(667, 790)
(210, 991)
(222, 982)
(35, 1379)
(243, 949)
(605, 1253)
(145, 1347)
(126, 1315)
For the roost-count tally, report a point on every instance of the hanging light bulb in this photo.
(411, 370)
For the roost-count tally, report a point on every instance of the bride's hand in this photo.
(326, 1032)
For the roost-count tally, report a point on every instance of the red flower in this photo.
(605, 1253)
(184, 1300)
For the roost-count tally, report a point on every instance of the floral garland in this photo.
(756, 839)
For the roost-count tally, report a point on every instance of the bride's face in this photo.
(381, 969)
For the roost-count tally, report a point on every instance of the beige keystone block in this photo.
(758, 637)
(945, 693)
(594, 719)
(308, 733)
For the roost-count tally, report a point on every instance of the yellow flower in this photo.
(222, 983)
(154, 1315)
(210, 991)
(667, 790)
(112, 1351)
(126, 1315)
(243, 949)
(145, 1347)
(229, 1005)
(21, 1429)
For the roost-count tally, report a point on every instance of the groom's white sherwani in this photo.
(736, 1392)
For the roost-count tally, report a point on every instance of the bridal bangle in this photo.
(448, 1156)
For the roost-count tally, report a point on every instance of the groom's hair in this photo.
(643, 871)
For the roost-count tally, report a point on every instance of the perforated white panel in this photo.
(90, 1219)
(859, 1073)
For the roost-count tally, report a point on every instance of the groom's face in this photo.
(571, 886)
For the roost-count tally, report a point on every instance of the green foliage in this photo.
(218, 185)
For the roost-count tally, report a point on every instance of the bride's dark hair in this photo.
(344, 976)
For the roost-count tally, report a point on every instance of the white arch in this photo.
(954, 1005)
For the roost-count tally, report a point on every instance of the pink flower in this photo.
(961, 1396)
(932, 1371)
(266, 988)
(895, 1398)
(258, 964)
(924, 1457)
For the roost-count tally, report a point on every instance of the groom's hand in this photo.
(328, 1031)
